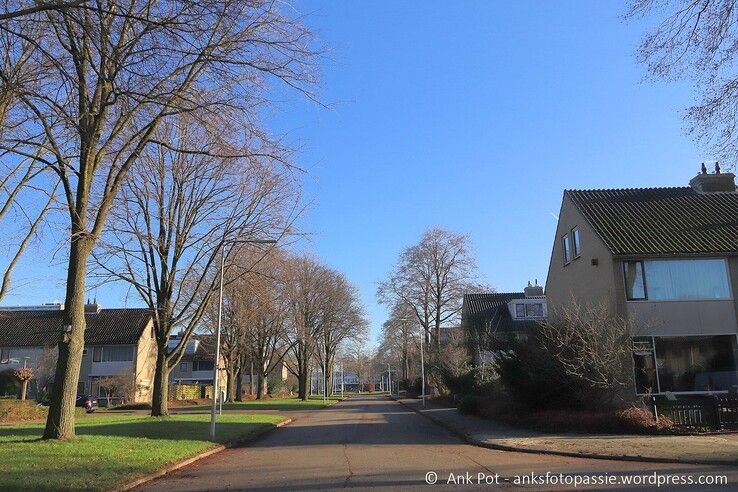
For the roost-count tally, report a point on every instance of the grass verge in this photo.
(112, 449)
(314, 402)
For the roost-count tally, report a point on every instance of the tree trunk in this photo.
(239, 383)
(302, 383)
(60, 422)
(252, 390)
(24, 389)
(230, 385)
(159, 401)
(261, 386)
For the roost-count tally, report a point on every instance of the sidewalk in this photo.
(710, 449)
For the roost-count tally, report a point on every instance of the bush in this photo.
(370, 387)
(21, 411)
(470, 405)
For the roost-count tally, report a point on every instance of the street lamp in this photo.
(216, 365)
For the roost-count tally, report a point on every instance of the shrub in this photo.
(20, 411)
(370, 387)
(470, 405)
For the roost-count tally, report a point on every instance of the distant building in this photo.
(117, 342)
(488, 318)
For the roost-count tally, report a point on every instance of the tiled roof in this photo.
(44, 328)
(662, 221)
(493, 306)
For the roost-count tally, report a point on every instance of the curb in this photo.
(570, 454)
(188, 461)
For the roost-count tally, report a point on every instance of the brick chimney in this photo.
(533, 290)
(708, 183)
(92, 307)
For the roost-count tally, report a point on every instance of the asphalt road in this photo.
(375, 443)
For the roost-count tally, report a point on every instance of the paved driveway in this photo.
(379, 444)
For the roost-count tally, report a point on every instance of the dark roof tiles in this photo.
(661, 221)
(44, 328)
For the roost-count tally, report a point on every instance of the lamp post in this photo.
(389, 378)
(216, 365)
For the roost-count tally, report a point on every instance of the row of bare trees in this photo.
(145, 112)
(290, 310)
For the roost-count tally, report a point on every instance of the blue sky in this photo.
(473, 116)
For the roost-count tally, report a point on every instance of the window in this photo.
(4, 355)
(84, 352)
(534, 310)
(577, 244)
(635, 287)
(123, 353)
(669, 280)
(183, 366)
(567, 249)
(81, 388)
(520, 310)
(696, 363)
(202, 365)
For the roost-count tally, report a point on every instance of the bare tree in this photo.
(304, 294)
(175, 217)
(697, 40)
(13, 9)
(397, 338)
(430, 278)
(342, 319)
(120, 385)
(107, 76)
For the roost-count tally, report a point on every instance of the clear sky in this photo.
(472, 116)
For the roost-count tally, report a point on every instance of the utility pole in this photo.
(389, 378)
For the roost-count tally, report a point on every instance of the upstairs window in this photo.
(202, 365)
(566, 244)
(520, 310)
(575, 240)
(635, 287)
(4, 355)
(673, 280)
(534, 310)
(123, 353)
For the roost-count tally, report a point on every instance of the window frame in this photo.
(566, 247)
(518, 307)
(527, 305)
(643, 279)
(97, 354)
(576, 242)
(5, 355)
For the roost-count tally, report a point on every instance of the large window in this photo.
(123, 353)
(696, 363)
(566, 246)
(4, 355)
(520, 310)
(669, 280)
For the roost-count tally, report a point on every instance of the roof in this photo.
(44, 328)
(661, 221)
(493, 306)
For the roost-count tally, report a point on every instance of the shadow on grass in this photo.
(149, 429)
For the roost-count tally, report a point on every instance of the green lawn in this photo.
(111, 449)
(313, 402)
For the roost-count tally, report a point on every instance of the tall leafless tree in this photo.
(343, 320)
(431, 278)
(697, 40)
(175, 217)
(105, 76)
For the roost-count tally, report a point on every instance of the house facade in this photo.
(488, 318)
(665, 260)
(118, 342)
